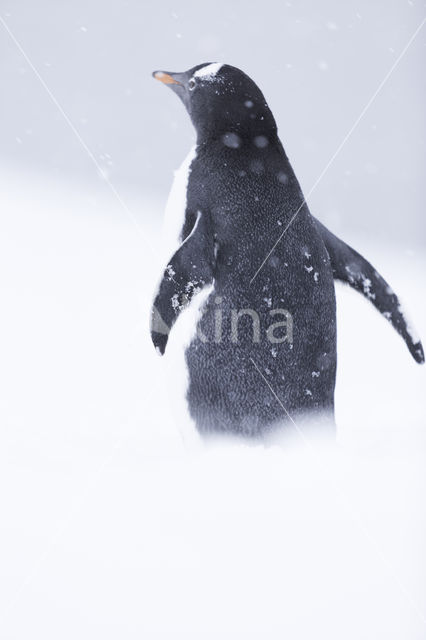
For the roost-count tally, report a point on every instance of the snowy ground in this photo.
(111, 528)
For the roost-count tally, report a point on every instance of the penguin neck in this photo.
(234, 126)
(236, 135)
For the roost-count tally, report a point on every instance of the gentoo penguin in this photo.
(277, 329)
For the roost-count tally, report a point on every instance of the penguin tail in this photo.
(350, 267)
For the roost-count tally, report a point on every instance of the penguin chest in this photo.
(174, 215)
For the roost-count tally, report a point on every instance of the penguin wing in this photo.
(188, 271)
(350, 267)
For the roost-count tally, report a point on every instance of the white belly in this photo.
(175, 369)
(174, 214)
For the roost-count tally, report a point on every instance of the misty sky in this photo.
(318, 65)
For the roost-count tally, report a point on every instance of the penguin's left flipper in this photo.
(188, 271)
(350, 267)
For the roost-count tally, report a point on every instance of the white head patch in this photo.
(209, 71)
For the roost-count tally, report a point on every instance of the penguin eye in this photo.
(191, 84)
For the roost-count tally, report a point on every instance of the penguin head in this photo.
(223, 103)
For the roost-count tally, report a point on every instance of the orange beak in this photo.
(165, 78)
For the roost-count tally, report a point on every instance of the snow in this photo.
(261, 142)
(282, 177)
(170, 272)
(209, 72)
(231, 140)
(332, 26)
(322, 65)
(366, 285)
(114, 523)
(410, 327)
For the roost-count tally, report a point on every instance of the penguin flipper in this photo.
(188, 271)
(350, 267)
